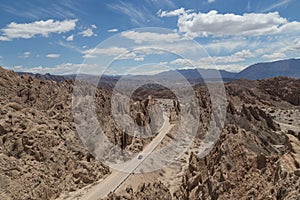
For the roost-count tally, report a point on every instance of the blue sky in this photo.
(60, 37)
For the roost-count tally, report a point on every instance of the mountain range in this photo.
(286, 68)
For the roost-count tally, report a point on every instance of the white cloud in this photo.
(126, 56)
(172, 13)
(119, 53)
(4, 38)
(30, 30)
(63, 9)
(17, 68)
(25, 54)
(138, 15)
(70, 38)
(183, 62)
(164, 63)
(228, 45)
(94, 26)
(216, 62)
(248, 24)
(61, 69)
(139, 59)
(68, 68)
(112, 30)
(110, 51)
(210, 1)
(70, 46)
(188, 64)
(89, 56)
(87, 33)
(236, 57)
(140, 37)
(290, 27)
(150, 70)
(248, 6)
(274, 56)
(277, 5)
(292, 45)
(53, 55)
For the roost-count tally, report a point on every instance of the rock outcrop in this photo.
(41, 155)
(252, 159)
(155, 190)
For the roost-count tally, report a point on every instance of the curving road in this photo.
(113, 181)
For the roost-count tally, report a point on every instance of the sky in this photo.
(146, 37)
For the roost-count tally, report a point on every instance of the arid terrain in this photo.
(257, 155)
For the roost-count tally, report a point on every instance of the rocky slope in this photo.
(254, 158)
(41, 155)
(278, 92)
(145, 191)
(248, 162)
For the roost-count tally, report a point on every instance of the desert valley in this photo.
(257, 155)
(150, 100)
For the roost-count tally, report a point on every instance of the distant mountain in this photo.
(198, 74)
(288, 68)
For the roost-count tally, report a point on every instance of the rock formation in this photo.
(253, 158)
(41, 155)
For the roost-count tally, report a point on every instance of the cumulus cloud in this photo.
(183, 62)
(70, 38)
(30, 30)
(53, 55)
(172, 13)
(87, 33)
(215, 24)
(140, 37)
